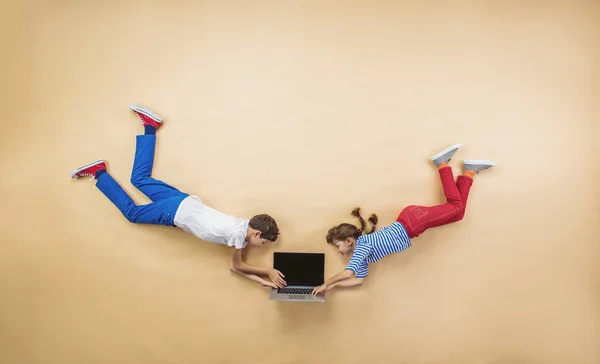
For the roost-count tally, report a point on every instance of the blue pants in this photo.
(165, 199)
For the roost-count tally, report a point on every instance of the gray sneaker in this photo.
(445, 155)
(477, 165)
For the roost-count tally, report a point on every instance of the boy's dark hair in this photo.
(345, 231)
(266, 225)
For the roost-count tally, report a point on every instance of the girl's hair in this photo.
(345, 231)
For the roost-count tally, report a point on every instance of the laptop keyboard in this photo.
(288, 290)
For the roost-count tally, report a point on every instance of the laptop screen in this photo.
(301, 269)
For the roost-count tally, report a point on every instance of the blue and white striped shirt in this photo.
(372, 247)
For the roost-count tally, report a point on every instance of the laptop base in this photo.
(275, 296)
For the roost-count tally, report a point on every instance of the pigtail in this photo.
(344, 231)
(373, 219)
(363, 224)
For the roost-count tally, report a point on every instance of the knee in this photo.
(456, 203)
(130, 214)
(137, 179)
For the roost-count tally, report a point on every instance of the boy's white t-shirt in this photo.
(211, 225)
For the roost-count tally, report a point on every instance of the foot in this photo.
(89, 169)
(146, 116)
(477, 165)
(445, 155)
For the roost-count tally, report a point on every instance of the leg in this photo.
(465, 181)
(144, 158)
(450, 187)
(417, 219)
(157, 213)
(464, 184)
(142, 170)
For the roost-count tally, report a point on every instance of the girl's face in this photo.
(345, 247)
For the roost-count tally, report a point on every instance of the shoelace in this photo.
(87, 175)
(141, 117)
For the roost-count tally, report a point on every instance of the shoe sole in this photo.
(455, 146)
(148, 113)
(480, 162)
(86, 166)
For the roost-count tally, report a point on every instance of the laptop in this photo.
(303, 272)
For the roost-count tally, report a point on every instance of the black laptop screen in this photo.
(301, 269)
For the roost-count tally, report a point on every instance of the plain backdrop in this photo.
(304, 110)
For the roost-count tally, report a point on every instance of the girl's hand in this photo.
(321, 289)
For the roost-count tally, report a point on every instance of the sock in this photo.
(444, 164)
(99, 173)
(470, 174)
(149, 130)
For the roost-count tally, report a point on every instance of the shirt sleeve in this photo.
(358, 263)
(237, 240)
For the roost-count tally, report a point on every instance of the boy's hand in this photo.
(268, 284)
(322, 288)
(277, 277)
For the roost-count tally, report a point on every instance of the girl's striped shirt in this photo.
(372, 247)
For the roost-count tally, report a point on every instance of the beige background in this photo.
(302, 109)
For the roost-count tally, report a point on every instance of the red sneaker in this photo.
(89, 169)
(146, 116)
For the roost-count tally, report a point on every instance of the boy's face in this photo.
(344, 247)
(255, 241)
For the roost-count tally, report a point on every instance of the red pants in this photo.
(417, 219)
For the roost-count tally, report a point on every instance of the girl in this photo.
(412, 222)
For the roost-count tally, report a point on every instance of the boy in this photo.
(172, 207)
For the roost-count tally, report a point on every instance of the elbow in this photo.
(360, 281)
(235, 266)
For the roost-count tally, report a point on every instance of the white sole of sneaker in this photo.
(148, 113)
(455, 146)
(480, 162)
(86, 166)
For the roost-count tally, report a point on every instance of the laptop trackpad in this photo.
(297, 296)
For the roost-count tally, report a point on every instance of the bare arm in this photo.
(350, 282)
(336, 279)
(341, 276)
(238, 263)
(253, 277)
